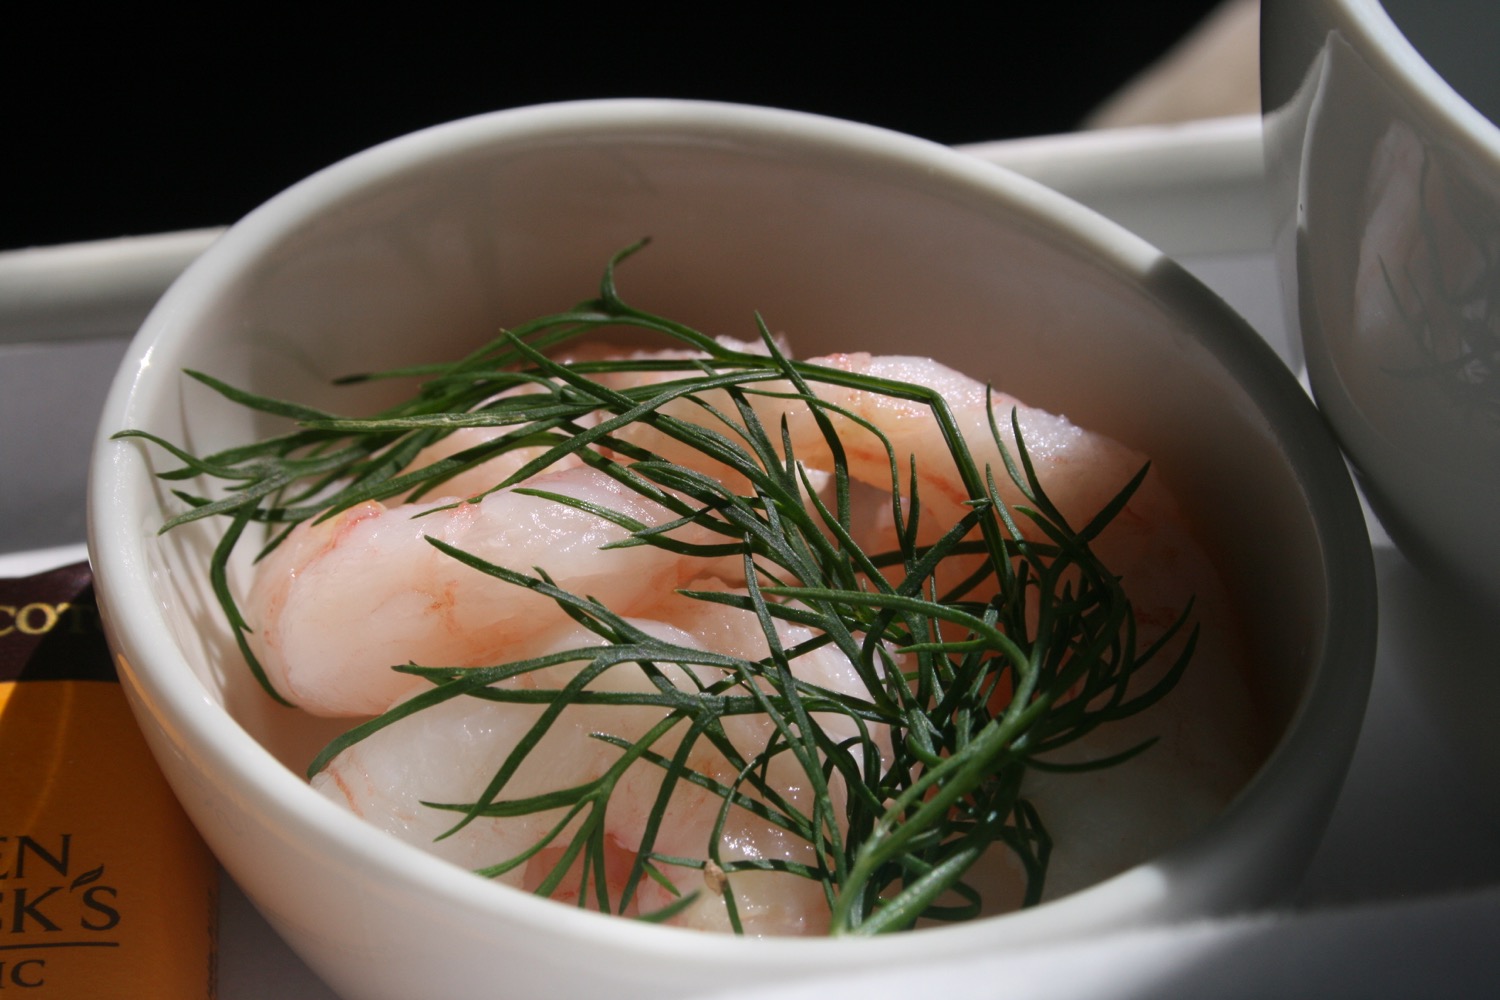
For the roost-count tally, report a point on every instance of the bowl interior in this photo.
(840, 237)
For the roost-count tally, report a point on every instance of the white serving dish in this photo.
(451, 249)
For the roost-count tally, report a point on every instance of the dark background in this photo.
(122, 123)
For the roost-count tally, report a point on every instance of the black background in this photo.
(123, 123)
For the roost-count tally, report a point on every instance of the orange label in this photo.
(105, 888)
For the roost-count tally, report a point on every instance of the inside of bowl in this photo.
(836, 252)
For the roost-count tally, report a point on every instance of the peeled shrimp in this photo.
(342, 601)
(447, 753)
(1080, 470)
(1148, 543)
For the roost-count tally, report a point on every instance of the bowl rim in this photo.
(167, 688)
(1381, 41)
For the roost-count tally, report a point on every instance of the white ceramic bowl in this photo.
(846, 235)
(1385, 173)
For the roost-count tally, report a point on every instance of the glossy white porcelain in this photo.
(841, 235)
(1384, 163)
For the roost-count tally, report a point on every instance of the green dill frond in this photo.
(968, 682)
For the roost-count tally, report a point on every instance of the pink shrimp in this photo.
(447, 753)
(342, 601)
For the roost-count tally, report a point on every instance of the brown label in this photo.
(49, 628)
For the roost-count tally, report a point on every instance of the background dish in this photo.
(1385, 186)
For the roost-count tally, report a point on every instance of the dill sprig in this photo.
(969, 684)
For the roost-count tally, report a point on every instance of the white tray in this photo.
(1402, 900)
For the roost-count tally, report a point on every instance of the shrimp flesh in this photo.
(447, 753)
(342, 601)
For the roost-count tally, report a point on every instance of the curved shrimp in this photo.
(1080, 470)
(1148, 543)
(447, 753)
(341, 601)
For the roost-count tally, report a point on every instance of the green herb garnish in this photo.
(974, 681)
